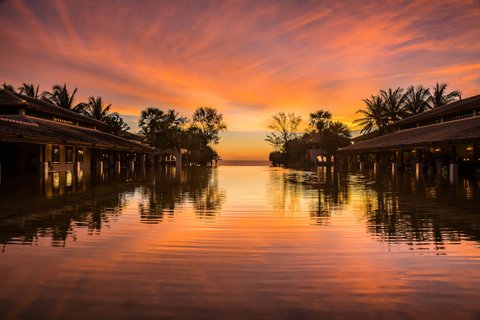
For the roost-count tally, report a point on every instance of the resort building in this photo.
(443, 140)
(37, 137)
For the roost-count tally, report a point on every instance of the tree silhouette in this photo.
(440, 97)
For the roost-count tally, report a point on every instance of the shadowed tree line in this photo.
(168, 129)
(391, 105)
(290, 145)
(63, 97)
(159, 128)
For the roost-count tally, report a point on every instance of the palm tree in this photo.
(337, 135)
(149, 123)
(319, 120)
(417, 100)
(374, 118)
(30, 90)
(115, 124)
(95, 108)
(61, 97)
(440, 97)
(393, 101)
(8, 87)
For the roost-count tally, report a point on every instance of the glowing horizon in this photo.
(247, 59)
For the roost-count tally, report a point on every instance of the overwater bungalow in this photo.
(442, 140)
(37, 137)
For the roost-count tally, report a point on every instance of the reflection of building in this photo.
(443, 139)
(38, 137)
(423, 214)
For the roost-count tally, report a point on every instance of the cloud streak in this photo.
(249, 59)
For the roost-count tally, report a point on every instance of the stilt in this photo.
(418, 170)
(117, 167)
(453, 172)
(376, 167)
(44, 167)
(453, 167)
(394, 168)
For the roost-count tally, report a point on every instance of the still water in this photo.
(239, 242)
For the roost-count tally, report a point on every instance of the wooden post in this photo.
(453, 169)
(395, 163)
(376, 164)
(418, 164)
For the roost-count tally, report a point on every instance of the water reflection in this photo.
(170, 189)
(424, 214)
(324, 191)
(64, 203)
(282, 244)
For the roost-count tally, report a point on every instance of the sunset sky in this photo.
(249, 59)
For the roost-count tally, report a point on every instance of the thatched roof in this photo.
(13, 100)
(465, 130)
(34, 130)
(315, 138)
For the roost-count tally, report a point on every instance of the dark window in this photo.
(80, 155)
(55, 154)
(68, 154)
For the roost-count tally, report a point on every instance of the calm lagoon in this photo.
(241, 242)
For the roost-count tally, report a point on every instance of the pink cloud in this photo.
(249, 59)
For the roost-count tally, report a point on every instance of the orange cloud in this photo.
(250, 60)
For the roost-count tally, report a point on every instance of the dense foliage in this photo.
(395, 104)
(167, 129)
(290, 146)
(62, 97)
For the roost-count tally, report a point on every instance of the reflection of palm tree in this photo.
(30, 90)
(61, 97)
(200, 188)
(440, 97)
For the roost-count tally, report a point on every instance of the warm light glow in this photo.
(68, 178)
(249, 60)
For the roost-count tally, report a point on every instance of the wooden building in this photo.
(443, 140)
(37, 137)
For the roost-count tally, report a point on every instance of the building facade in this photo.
(445, 140)
(39, 138)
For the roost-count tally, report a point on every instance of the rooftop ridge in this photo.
(25, 100)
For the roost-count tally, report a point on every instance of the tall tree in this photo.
(336, 136)
(162, 129)
(115, 124)
(30, 90)
(210, 123)
(440, 97)
(95, 108)
(319, 120)
(61, 97)
(373, 115)
(416, 100)
(285, 130)
(393, 101)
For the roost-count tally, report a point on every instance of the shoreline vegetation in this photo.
(169, 129)
(379, 111)
(160, 129)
